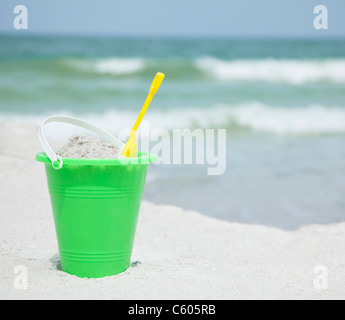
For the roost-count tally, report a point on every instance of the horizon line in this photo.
(170, 36)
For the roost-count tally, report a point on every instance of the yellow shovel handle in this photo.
(154, 87)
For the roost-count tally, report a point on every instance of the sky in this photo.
(216, 18)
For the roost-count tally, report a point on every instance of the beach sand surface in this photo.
(177, 254)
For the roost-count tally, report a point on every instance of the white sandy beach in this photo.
(177, 254)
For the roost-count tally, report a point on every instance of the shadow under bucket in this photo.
(95, 204)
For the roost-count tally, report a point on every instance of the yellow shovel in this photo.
(130, 149)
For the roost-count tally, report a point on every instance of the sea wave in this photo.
(272, 70)
(246, 117)
(250, 116)
(296, 72)
(313, 119)
(113, 66)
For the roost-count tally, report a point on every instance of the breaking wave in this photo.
(272, 70)
(250, 116)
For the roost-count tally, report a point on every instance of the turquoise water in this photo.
(98, 74)
(281, 101)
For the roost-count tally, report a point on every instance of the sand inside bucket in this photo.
(87, 147)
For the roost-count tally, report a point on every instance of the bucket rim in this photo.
(145, 158)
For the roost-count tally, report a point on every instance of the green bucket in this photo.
(95, 205)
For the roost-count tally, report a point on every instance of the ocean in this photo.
(282, 103)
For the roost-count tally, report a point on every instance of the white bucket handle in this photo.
(56, 160)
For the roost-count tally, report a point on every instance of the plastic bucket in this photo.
(95, 205)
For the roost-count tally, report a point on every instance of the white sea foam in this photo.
(119, 66)
(271, 70)
(313, 119)
(252, 116)
(114, 66)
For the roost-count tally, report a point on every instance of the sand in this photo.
(177, 254)
(87, 147)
